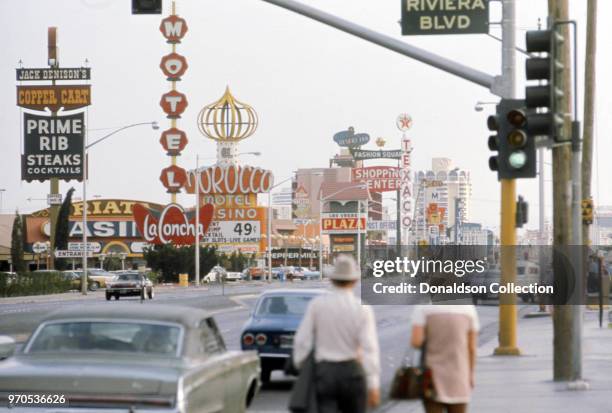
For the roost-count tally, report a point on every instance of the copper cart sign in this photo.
(68, 97)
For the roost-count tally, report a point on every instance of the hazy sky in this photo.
(305, 80)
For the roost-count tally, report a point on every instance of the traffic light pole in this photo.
(507, 308)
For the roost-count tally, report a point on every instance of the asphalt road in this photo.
(18, 317)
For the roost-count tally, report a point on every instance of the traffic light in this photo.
(522, 212)
(547, 69)
(516, 157)
(587, 211)
(146, 6)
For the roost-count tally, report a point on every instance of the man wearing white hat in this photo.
(343, 334)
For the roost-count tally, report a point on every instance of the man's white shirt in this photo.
(341, 329)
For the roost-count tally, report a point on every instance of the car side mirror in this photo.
(7, 347)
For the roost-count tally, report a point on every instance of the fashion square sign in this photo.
(53, 147)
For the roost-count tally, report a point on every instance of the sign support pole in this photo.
(52, 61)
(508, 317)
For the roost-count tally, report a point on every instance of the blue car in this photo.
(272, 325)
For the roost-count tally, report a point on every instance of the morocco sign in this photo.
(445, 16)
(53, 147)
(172, 224)
(378, 178)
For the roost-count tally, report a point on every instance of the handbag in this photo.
(303, 397)
(412, 382)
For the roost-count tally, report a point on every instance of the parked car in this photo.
(215, 274)
(73, 277)
(304, 273)
(130, 283)
(485, 278)
(253, 273)
(130, 358)
(99, 276)
(233, 276)
(272, 325)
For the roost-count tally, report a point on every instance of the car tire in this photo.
(108, 297)
(150, 294)
(116, 296)
(265, 375)
(94, 286)
(525, 298)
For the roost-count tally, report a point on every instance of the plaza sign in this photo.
(53, 147)
(444, 17)
(347, 223)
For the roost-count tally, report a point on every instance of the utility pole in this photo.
(589, 110)
(507, 309)
(53, 61)
(563, 316)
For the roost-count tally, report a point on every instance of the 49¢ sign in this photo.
(233, 232)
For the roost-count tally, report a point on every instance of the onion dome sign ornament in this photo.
(172, 225)
(349, 138)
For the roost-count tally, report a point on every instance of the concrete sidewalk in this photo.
(524, 384)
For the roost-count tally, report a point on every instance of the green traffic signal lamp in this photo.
(517, 160)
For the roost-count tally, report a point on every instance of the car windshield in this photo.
(288, 305)
(128, 277)
(96, 336)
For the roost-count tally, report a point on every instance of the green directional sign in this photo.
(444, 17)
(361, 154)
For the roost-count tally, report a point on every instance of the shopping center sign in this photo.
(378, 178)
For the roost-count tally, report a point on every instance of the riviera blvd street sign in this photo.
(445, 16)
(53, 147)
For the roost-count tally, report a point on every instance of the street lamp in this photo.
(197, 212)
(84, 209)
(321, 201)
(2, 191)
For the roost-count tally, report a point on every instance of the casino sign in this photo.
(110, 223)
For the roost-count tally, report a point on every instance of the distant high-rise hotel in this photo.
(441, 194)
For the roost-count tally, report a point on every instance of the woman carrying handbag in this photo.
(450, 335)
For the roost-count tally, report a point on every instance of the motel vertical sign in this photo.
(444, 17)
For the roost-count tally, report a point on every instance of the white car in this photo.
(233, 276)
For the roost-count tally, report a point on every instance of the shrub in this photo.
(29, 283)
